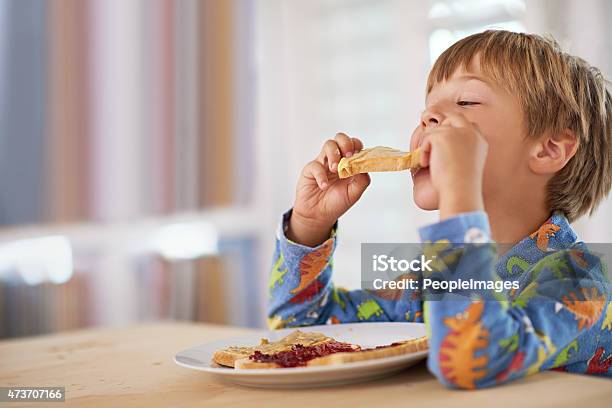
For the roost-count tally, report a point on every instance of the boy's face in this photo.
(500, 119)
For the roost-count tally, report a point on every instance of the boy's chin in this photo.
(425, 197)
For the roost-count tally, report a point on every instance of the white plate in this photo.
(364, 334)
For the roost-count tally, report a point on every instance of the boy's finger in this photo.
(416, 137)
(357, 185)
(330, 155)
(475, 126)
(358, 144)
(425, 152)
(455, 119)
(347, 148)
(317, 171)
(458, 120)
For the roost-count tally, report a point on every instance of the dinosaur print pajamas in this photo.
(560, 318)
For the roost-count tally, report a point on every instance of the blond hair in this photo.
(556, 91)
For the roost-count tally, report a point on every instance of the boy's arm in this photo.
(482, 343)
(301, 291)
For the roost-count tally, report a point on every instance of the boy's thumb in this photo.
(357, 185)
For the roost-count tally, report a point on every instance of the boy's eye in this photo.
(467, 103)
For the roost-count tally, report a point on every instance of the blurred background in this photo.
(149, 147)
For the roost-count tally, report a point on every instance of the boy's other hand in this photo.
(455, 152)
(321, 196)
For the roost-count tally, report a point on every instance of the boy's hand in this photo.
(455, 153)
(321, 196)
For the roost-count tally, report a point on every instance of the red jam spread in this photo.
(299, 355)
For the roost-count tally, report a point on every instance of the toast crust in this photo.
(248, 364)
(378, 158)
(230, 355)
(407, 347)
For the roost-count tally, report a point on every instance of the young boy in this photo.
(517, 140)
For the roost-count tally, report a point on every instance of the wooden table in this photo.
(132, 366)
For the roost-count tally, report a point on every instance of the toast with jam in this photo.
(308, 349)
(228, 357)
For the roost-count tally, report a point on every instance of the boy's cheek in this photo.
(499, 177)
(504, 163)
(424, 194)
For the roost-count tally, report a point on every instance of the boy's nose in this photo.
(431, 118)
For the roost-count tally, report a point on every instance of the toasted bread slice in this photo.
(396, 349)
(228, 357)
(378, 159)
(247, 363)
(291, 358)
(407, 347)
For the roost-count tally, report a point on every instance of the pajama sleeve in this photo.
(478, 340)
(301, 291)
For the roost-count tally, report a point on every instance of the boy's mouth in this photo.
(422, 171)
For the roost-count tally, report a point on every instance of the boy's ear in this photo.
(552, 152)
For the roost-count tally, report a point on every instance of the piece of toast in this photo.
(247, 363)
(378, 159)
(406, 347)
(230, 355)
